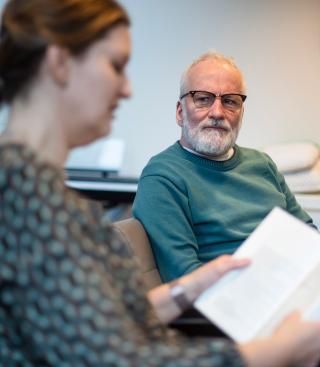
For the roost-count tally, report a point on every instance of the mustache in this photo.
(222, 124)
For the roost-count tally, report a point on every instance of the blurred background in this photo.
(276, 43)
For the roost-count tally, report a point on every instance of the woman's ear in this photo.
(58, 63)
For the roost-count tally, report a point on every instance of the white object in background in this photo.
(304, 181)
(105, 154)
(283, 276)
(293, 157)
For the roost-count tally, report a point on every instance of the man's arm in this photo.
(293, 207)
(163, 209)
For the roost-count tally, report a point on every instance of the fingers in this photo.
(205, 276)
(226, 263)
(301, 338)
(293, 316)
(295, 320)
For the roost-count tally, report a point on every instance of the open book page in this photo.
(250, 302)
(305, 297)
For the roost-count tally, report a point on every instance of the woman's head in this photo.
(30, 26)
(65, 59)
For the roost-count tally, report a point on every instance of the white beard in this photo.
(211, 142)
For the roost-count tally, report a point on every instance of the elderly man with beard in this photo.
(204, 195)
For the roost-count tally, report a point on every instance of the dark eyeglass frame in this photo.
(222, 96)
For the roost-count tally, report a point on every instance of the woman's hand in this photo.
(194, 284)
(208, 274)
(295, 343)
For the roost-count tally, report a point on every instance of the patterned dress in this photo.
(71, 293)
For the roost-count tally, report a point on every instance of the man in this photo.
(204, 195)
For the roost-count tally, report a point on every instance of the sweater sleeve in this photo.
(162, 206)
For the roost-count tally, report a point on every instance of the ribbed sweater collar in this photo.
(205, 162)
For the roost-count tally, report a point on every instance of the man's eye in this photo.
(203, 99)
(230, 101)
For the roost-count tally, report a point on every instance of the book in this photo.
(283, 276)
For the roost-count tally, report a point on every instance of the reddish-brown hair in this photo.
(29, 26)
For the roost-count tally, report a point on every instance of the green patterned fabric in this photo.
(71, 293)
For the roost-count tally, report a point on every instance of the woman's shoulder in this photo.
(19, 159)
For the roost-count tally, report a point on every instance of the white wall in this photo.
(276, 43)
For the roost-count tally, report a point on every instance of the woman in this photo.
(70, 293)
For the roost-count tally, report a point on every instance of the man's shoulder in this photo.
(173, 151)
(251, 153)
(257, 158)
(168, 159)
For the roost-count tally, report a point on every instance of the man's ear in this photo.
(58, 63)
(179, 113)
(241, 115)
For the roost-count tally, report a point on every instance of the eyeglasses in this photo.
(203, 99)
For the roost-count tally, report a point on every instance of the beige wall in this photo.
(276, 43)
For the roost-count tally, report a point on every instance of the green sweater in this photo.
(195, 209)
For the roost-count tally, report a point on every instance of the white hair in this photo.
(213, 56)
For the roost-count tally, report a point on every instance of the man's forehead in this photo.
(212, 67)
(214, 71)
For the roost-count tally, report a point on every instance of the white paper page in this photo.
(313, 312)
(306, 297)
(283, 251)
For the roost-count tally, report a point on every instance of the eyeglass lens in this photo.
(206, 99)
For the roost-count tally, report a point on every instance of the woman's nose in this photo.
(126, 90)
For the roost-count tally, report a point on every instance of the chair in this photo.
(192, 323)
(133, 233)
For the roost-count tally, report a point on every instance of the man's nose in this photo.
(216, 110)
